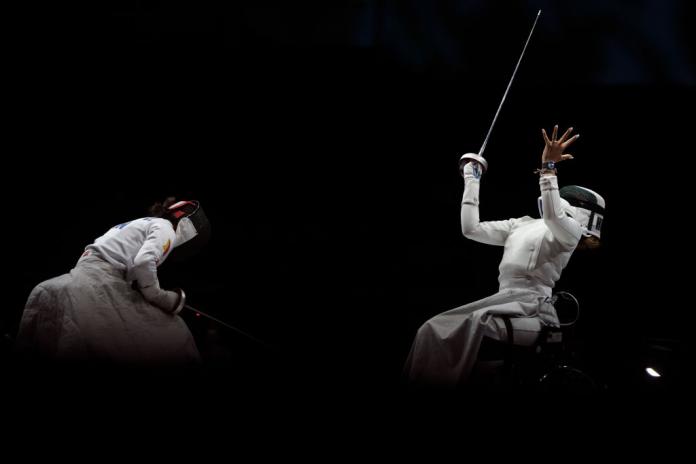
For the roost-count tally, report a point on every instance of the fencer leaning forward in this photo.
(109, 309)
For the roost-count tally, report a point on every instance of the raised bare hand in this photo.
(554, 148)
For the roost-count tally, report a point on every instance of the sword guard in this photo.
(182, 301)
(472, 156)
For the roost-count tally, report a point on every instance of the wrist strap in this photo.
(548, 167)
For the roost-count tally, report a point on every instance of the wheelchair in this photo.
(535, 358)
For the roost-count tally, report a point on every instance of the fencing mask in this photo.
(583, 205)
(192, 230)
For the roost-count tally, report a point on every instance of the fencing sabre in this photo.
(479, 156)
(250, 337)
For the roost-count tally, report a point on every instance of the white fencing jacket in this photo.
(137, 247)
(536, 250)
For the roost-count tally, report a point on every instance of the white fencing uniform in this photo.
(535, 252)
(94, 313)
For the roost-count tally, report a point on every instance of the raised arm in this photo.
(489, 232)
(564, 228)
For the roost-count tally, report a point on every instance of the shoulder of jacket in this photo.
(522, 219)
(159, 224)
(158, 221)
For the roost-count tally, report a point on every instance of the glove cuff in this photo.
(472, 171)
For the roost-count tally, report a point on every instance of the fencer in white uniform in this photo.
(445, 348)
(110, 307)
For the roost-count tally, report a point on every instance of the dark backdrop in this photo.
(322, 140)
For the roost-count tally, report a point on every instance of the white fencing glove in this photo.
(171, 302)
(472, 170)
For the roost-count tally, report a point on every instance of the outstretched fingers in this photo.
(568, 142)
(546, 137)
(566, 134)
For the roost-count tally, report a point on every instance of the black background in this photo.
(322, 139)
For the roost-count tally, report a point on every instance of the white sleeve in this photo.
(158, 243)
(564, 228)
(489, 232)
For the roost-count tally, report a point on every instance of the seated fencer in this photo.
(445, 348)
(109, 309)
